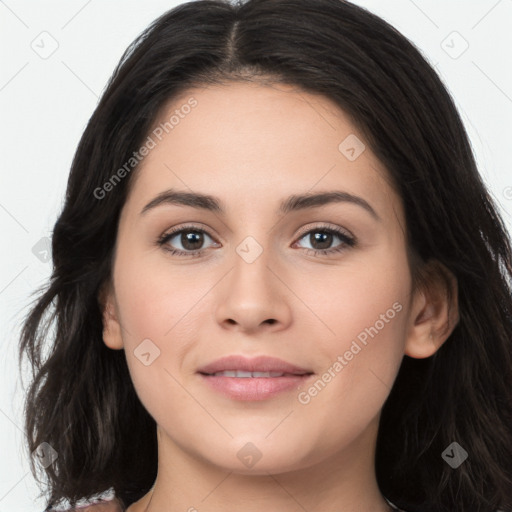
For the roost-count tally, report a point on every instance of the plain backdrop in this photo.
(56, 59)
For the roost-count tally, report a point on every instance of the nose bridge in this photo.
(251, 261)
(253, 295)
(256, 252)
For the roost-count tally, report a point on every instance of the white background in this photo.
(45, 104)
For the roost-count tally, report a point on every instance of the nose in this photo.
(254, 296)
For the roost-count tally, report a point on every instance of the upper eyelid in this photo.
(327, 227)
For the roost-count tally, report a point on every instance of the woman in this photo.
(204, 358)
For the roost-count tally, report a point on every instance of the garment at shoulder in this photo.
(107, 506)
(103, 506)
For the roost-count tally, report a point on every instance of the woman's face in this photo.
(249, 282)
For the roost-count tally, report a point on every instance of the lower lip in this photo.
(254, 388)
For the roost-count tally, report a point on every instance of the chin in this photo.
(261, 457)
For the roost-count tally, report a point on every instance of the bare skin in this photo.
(252, 146)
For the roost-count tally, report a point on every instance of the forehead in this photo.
(258, 143)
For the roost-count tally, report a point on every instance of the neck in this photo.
(345, 481)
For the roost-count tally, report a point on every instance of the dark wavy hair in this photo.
(81, 400)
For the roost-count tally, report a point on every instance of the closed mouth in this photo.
(245, 374)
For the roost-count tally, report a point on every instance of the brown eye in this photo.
(191, 240)
(321, 239)
(185, 241)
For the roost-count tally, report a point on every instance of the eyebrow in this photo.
(291, 204)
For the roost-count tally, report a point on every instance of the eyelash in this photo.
(348, 241)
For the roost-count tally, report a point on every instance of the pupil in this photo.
(323, 238)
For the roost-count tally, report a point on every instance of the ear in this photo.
(435, 311)
(111, 326)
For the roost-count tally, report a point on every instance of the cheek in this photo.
(365, 293)
(367, 309)
(153, 306)
(156, 312)
(361, 359)
(363, 311)
(153, 295)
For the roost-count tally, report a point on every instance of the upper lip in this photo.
(255, 364)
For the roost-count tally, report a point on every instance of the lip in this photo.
(255, 364)
(253, 388)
